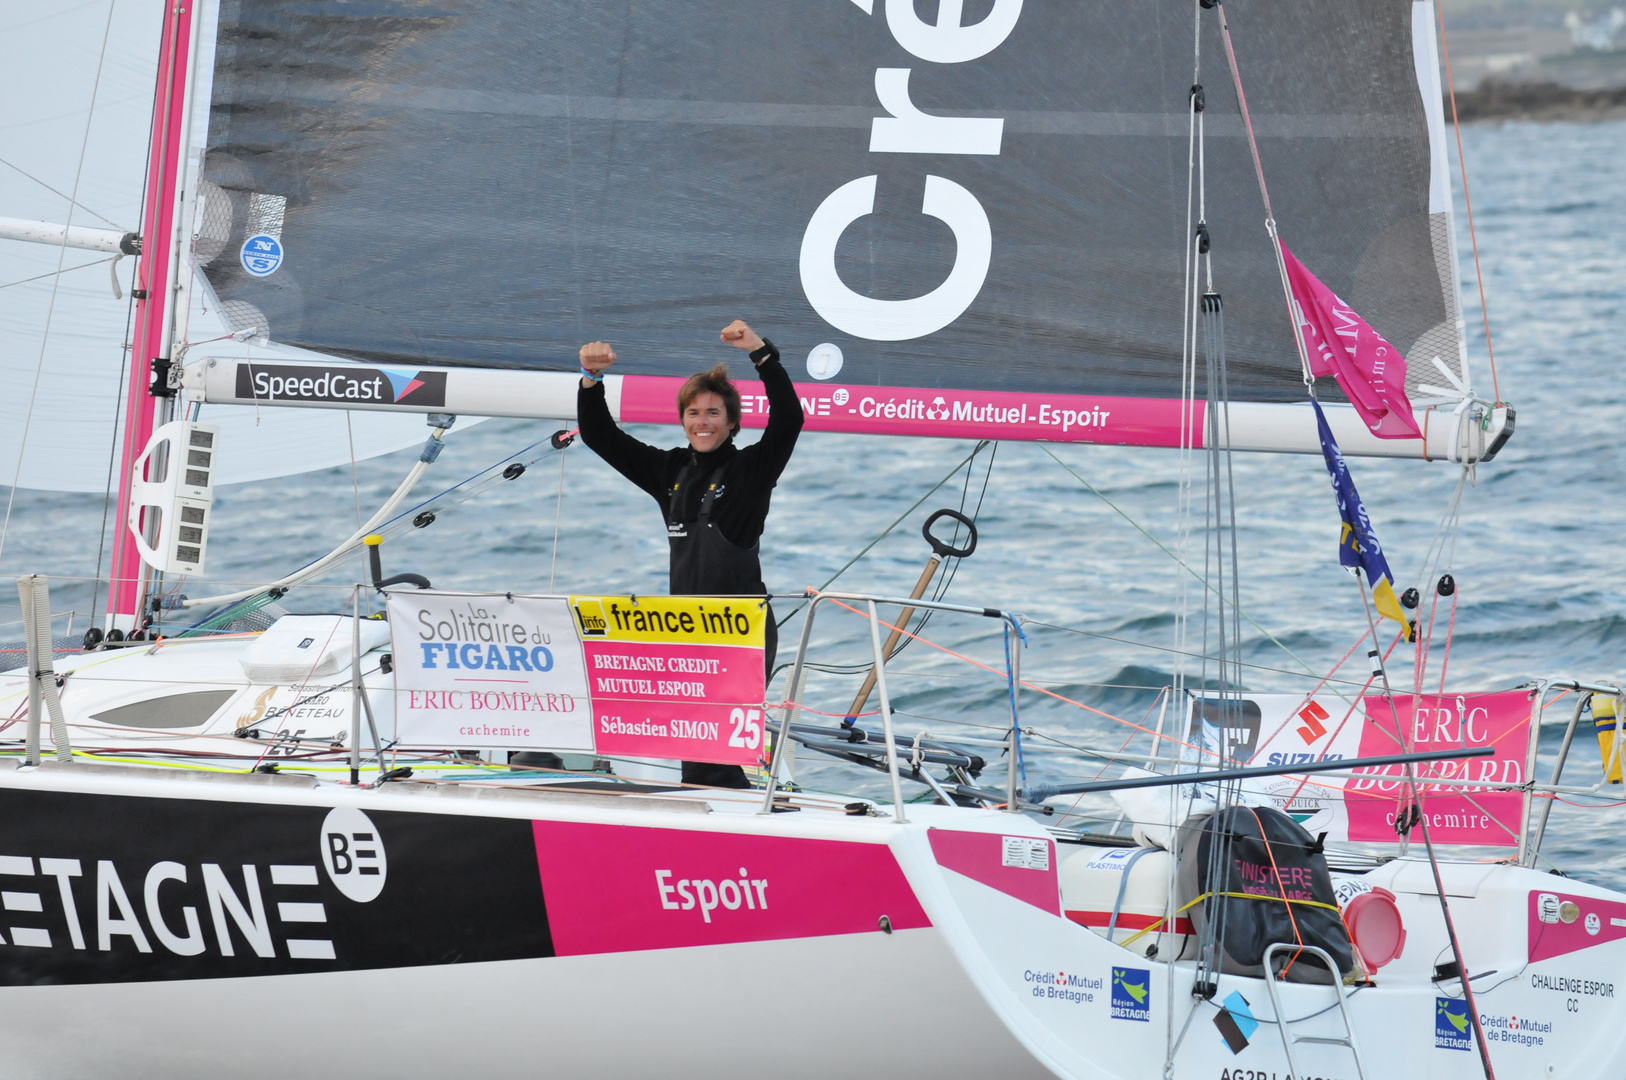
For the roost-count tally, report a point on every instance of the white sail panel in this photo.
(67, 417)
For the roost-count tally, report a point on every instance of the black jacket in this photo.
(749, 474)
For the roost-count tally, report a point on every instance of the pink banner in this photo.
(614, 888)
(1370, 371)
(953, 414)
(1455, 815)
(692, 702)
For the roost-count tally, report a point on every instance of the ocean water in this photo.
(1538, 553)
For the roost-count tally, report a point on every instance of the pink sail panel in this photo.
(948, 414)
(1370, 371)
(1456, 815)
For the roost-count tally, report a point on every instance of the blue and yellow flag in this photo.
(1358, 545)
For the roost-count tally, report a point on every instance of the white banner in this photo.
(485, 671)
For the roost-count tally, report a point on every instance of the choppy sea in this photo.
(1539, 552)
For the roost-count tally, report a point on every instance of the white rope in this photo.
(317, 567)
(56, 281)
(1183, 515)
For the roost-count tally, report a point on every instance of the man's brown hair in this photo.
(716, 382)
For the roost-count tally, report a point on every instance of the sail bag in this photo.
(1257, 877)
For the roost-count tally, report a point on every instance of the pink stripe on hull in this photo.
(616, 888)
(949, 414)
(1562, 923)
(980, 857)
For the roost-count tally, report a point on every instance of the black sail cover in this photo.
(1253, 877)
(957, 195)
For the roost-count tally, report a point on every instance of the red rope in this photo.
(1450, 629)
(1247, 120)
(1314, 690)
(1023, 682)
(1286, 903)
(1467, 201)
(1303, 780)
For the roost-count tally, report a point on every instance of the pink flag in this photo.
(1370, 371)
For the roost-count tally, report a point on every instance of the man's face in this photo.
(705, 422)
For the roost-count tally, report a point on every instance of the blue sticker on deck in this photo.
(262, 255)
(1131, 994)
(1236, 1022)
(1451, 1024)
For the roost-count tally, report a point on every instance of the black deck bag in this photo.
(1261, 855)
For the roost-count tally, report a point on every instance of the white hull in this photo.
(967, 986)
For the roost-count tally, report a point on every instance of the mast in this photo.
(155, 294)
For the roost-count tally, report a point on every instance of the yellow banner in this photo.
(696, 620)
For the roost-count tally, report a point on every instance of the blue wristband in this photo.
(599, 377)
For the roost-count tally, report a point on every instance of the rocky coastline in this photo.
(1496, 100)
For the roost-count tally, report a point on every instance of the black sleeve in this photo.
(785, 418)
(639, 462)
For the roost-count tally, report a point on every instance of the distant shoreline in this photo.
(1496, 100)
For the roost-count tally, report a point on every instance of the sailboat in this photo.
(448, 836)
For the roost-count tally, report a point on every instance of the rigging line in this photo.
(948, 573)
(1264, 194)
(1292, 714)
(1429, 573)
(1179, 561)
(1242, 101)
(113, 434)
(59, 270)
(1382, 673)
(355, 487)
(1022, 682)
(471, 478)
(336, 555)
(1107, 763)
(558, 517)
(56, 280)
(399, 525)
(1468, 202)
(882, 535)
(63, 194)
(1303, 780)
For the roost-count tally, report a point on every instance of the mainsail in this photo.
(974, 221)
(62, 336)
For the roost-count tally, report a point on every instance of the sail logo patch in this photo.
(310, 384)
(1131, 994)
(1451, 1027)
(261, 255)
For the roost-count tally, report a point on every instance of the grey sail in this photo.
(477, 183)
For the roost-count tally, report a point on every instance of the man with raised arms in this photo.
(714, 494)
